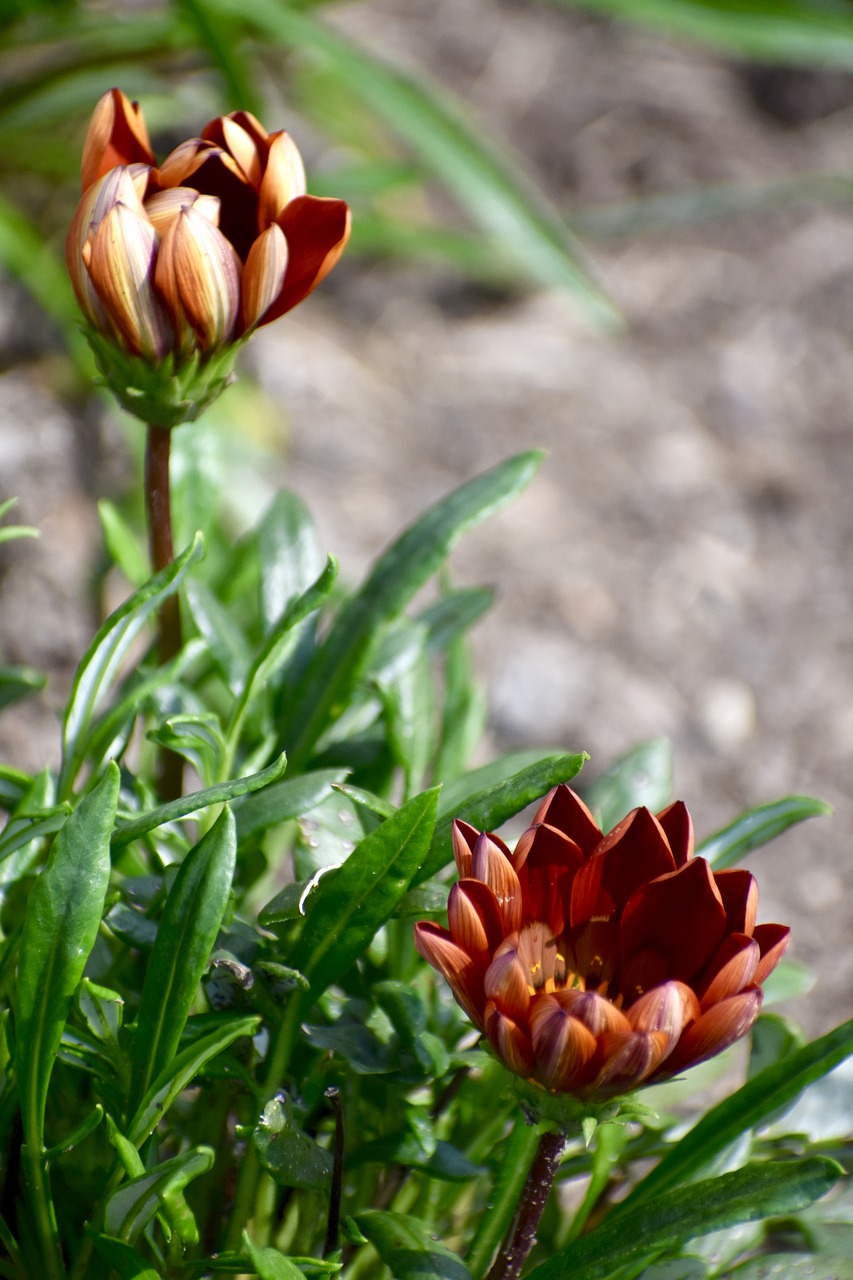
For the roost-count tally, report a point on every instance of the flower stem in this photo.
(519, 1153)
(158, 509)
(534, 1197)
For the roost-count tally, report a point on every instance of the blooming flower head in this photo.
(173, 265)
(597, 963)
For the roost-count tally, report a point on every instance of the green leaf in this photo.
(284, 801)
(124, 1260)
(103, 659)
(773, 1088)
(397, 576)
(290, 558)
(289, 1155)
(19, 682)
(198, 738)
(355, 901)
(445, 1163)
(131, 1208)
(488, 806)
(122, 544)
(102, 1011)
(756, 827)
(178, 1074)
(60, 928)
(757, 1191)
(269, 1264)
(278, 645)
(21, 831)
(366, 800)
(522, 225)
(228, 647)
(184, 805)
(799, 32)
(187, 932)
(25, 255)
(788, 980)
(642, 777)
(795, 1266)
(406, 1247)
(454, 614)
(14, 784)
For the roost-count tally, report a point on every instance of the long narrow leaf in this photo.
(793, 31)
(284, 801)
(354, 902)
(757, 1191)
(408, 1249)
(221, 794)
(105, 655)
(490, 806)
(131, 1208)
(63, 915)
(181, 1071)
(396, 577)
(185, 937)
(485, 181)
(773, 1088)
(756, 827)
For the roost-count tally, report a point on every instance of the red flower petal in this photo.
(475, 918)
(733, 968)
(492, 865)
(739, 892)
(678, 826)
(506, 980)
(669, 1008)
(510, 1041)
(317, 231)
(595, 1012)
(628, 1058)
(773, 940)
(635, 852)
(462, 974)
(595, 951)
(716, 1029)
(562, 1045)
(463, 837)
(546, 862)
(680, 915)
(562, 809)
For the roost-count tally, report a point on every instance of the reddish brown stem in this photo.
(531, 1206)
(158, 509)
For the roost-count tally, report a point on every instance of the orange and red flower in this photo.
(192, 256)
(595, 964)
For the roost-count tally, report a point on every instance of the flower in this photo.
(594, 964)
(174, 265)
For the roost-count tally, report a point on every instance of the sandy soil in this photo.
(681, 566)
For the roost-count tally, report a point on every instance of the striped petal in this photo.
(121, 265)
(116, 135)
(263, 276)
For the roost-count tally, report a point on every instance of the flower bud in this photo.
(174, 267)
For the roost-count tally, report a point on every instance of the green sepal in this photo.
(166, 394)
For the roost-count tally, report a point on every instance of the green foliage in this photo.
(180, 1007)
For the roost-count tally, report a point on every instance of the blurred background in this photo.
(618, 231)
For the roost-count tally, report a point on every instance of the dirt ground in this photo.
(681, 566)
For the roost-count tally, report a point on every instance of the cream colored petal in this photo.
(263, 276)
(283, 180)
(206, 278)
(116, 136)
(164, 206)
(123, 253)
(244, 150)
